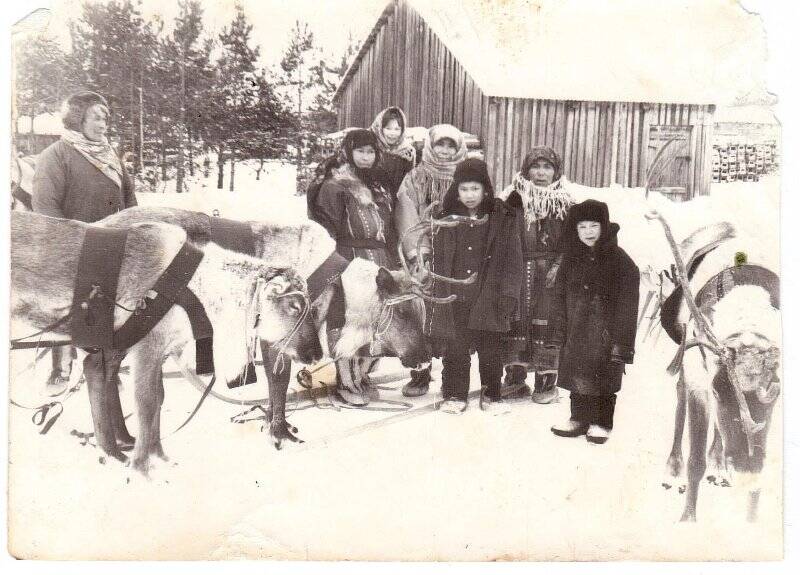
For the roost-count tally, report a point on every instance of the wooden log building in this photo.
(455, 62)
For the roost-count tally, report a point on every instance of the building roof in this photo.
(745, 115)
(671, 51)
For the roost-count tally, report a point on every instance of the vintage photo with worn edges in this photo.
(394, 280)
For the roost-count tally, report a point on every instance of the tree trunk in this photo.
(260, 167)
(132, 110)
(220, 167)
(163, 154)
(233, 172)
(299, 119)
(182, 123)
(191, 151)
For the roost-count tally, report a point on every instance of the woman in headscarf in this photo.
(443, 150)
(398, 156)
(357, 212)
(80, 177)
(538, 191)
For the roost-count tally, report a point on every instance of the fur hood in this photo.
(349, 182)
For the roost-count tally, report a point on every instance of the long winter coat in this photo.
(500, 276)
(67, 185)
(358, 217)
(594, 313)
(540, 249)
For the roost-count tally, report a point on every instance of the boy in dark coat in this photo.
(593, 319)
(483, 310)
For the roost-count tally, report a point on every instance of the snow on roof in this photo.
(745, 115)
(671, 51)
(47, 123)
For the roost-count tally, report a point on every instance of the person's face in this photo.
(589, 232)
(95, 123)
(541, 173)
(470, 194)
(392, 131)
(445, 149)
(364, 156)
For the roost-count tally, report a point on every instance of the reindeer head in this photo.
(382, 317)
(755, 360)
(283, 316)
(749, 330)
(400, 328)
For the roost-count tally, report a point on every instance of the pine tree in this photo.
(188, 79)
(295, 63)
(112, 54)
(42, 79)
(322, 115)
(236, 91)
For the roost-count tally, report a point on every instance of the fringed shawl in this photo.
(538, 202)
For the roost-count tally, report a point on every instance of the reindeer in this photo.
(243, 297)
(383, 311)
(727, 367)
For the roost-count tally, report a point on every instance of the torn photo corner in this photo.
(475, 280)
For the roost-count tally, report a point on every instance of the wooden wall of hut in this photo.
(600, 142)
(403, 63)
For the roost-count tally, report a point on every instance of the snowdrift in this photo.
(752, 208)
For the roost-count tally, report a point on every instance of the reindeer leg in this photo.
(98, 384)
(752, 505)
(147, 378)
(716, 459)
(698, 411)
(113, 406)
(675, 459)
(278, 383)
(157, 449)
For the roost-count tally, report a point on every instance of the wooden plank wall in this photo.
(407, 65)
(599, 142)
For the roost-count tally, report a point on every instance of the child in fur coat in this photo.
(483, 310)
(593, 320)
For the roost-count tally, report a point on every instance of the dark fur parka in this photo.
(500, 277)
(595, 308)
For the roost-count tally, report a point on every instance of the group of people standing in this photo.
(554, 293)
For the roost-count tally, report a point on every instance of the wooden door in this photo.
(669, 161)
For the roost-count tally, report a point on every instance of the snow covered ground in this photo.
(410, 485)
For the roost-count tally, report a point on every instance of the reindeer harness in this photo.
(94, 297)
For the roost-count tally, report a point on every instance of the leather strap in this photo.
(99, 264)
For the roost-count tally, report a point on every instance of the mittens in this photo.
(621, 354)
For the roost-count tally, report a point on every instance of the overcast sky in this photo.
(273, 20)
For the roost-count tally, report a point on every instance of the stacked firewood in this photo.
(742, 162)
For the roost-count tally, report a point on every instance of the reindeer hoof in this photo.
(280, 430)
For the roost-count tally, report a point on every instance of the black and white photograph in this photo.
(395, 281)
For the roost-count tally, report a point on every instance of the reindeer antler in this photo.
(432, 225)
(750, 426)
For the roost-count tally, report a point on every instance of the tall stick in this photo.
(750, 426)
